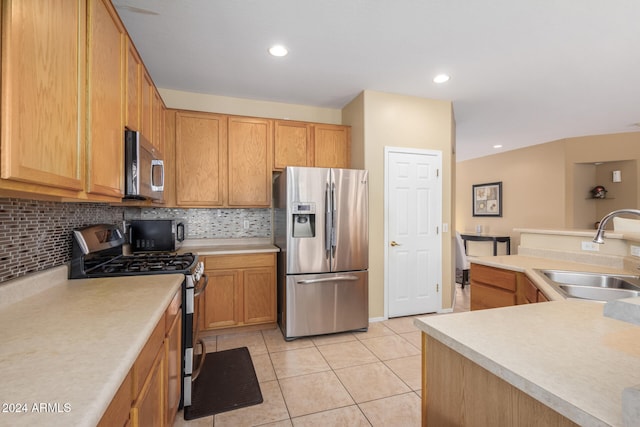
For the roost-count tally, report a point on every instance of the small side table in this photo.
(487, 238)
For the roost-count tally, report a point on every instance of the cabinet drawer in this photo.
(489, 297)
(224, 262)
(494, 277)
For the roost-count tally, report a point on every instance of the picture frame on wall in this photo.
(487, 199)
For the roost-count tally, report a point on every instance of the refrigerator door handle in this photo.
(328, 279)
(334, 215)
(327, 222)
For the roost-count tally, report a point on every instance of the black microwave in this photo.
(156, 235)
(143, 168)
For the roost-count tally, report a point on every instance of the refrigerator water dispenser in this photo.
(304, 219)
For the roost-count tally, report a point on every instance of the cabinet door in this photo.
(249, 162)
(221, 299)
(259, 294)
(148, 409)
(332, 146)
(146, 95)
(541, 297)
(292, 144)
(106, 55)
(133, 87)
(157, 121)
(529, 290)
(43, 86)
(201, 153)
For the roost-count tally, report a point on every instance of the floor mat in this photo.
(227, 381)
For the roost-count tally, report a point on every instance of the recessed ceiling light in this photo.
(441, 78)
(497, 146)
(278, 50)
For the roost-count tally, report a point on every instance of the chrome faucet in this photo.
(599, 238)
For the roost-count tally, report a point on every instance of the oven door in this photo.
(200, 350)
(192, 362)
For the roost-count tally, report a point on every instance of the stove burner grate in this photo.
(140, 263)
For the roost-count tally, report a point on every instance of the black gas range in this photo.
(137, 264)
(97, 251)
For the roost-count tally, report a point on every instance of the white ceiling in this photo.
(523, 72)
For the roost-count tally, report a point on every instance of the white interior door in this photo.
(413, 254)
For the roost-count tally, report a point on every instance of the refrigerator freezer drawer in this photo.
(325, 303)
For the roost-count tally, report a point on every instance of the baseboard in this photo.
(376, 319)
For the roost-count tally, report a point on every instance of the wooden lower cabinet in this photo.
(495, 287)
(458, 392)
(148, 407)
(241, 290)
(492, 287)
(150, 394)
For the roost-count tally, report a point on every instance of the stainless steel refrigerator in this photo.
(321, 226)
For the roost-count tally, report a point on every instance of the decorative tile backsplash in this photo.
(36, 235)
(214, 223)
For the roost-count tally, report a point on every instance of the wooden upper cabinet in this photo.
(201, 159)
(292, 145)
(43, 75)
(106, 56)
(157, 121)
(332, 146)
(133, 87)
(146, 112)
(151, 112)
(250, 142)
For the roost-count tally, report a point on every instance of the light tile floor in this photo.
(368, 378)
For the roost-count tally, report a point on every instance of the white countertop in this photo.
(70, 345)
(228, 246)
(565, 354)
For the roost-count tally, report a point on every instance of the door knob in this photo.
(394, 243)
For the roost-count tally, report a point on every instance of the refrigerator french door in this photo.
(321, 227)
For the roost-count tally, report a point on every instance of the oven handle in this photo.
(200, 289)
(203, 355)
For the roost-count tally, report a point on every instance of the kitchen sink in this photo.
(592, 286)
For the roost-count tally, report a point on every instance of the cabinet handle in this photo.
(328, 279)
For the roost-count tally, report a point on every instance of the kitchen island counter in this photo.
(529, 265)
(67, 347)
(565, 354)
